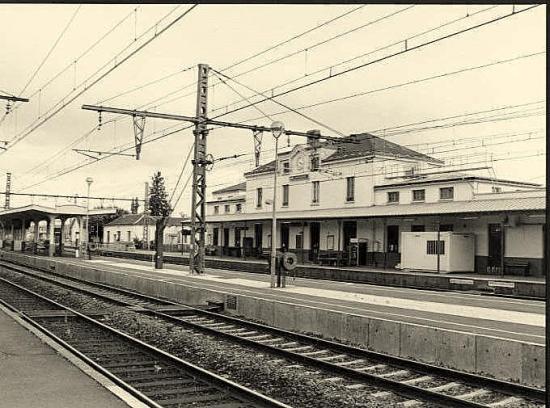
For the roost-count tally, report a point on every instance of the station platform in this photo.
(495, 336)
(508, 285)
(36, 375)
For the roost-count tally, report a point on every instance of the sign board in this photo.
(462, 281)
(501, 284)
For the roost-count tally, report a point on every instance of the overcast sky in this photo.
(221, 35)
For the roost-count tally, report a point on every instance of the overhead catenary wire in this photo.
(53, 47)
(73, 62)
(63, 103)
(392, 55)
(312, 29)
(452, 34)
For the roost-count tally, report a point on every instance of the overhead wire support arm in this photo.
(99, 153)
(13, 98)
(214, 122)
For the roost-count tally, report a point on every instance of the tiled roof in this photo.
(133, 219)
(453, 177)
(365, 145)
(373, 145)
(235, 187)
(452, 207)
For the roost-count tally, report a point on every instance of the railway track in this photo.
(355, 368)
(155, 377)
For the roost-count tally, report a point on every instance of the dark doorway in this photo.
(215, 238)
(362, 260)
(258, 232)
(314, 239)
(349, 232)
(495, 245)
(285, 236)
(225, 241)
(392, 241)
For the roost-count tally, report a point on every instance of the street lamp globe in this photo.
(277, 129)
(89, 180)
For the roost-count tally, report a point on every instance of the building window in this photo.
(108, 236)
(393, 196)
(238, 208)
(446, 228)
(259, 194)
(226, 208)
(350, 188)
(285, 195)
(496, 189)
(446, 193)
(419, 195)
(315, 196)
(314, 162)
(215, 234)
(129, 236)
(431, 248)
(286, 167)
(216, 209)
(330, 242)
(118, 236)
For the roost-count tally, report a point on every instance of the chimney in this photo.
(314, 140)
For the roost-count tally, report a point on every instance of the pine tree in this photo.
(158, 198)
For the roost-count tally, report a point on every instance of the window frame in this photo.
(423, 199)
(259, 197)
(238, 208)
(216, 209)
(389, 193)
(285, 195)
(350, 182)
(315, 192)
(285, 166)
(451, 189)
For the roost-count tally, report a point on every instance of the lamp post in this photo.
(277, 129)
(89, 181)
(182, 235)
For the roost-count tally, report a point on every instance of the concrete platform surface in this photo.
(510, 319)
(32, 374)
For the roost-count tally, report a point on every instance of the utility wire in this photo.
(397, 53)
(369, 63)
(86, 87)
(51, 49)
(279, 103)
(181, 173)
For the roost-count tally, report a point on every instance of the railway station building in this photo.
(379, 204)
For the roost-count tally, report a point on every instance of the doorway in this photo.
(225, 249)
(285, 236)
(314, 239)
(258, 233)
(392, 241)
(349, 232)
(496, 246)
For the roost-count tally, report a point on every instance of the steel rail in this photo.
(411, 391)
(236, 390)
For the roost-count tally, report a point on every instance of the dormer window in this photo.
(285, 166)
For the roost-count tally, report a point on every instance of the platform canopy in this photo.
(35, 211)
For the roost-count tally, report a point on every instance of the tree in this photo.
(159, 206)
(134, 207)
(158, 202)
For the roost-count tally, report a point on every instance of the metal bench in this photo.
(513, 265)
(329, 259)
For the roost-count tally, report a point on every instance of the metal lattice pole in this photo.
(198, 203)
(8, 191)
